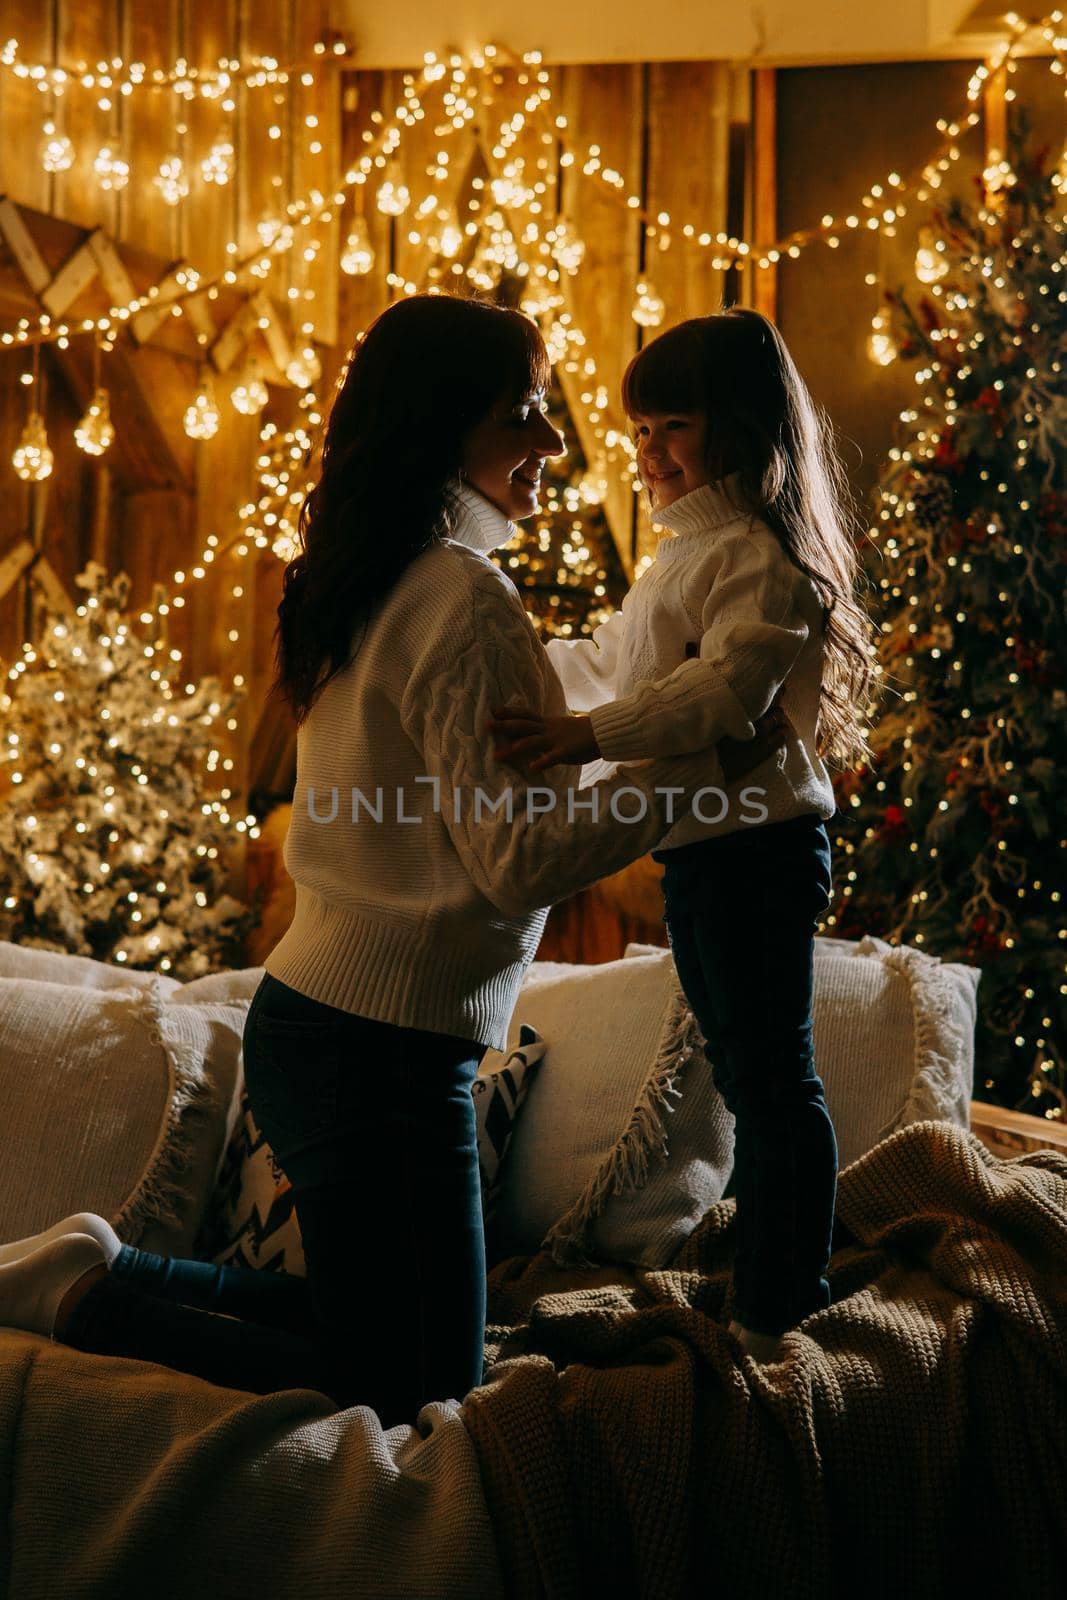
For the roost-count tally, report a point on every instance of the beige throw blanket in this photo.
(123, 1481)
(913, 1441)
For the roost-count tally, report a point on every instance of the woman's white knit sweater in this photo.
(718, 628)
(419, 900)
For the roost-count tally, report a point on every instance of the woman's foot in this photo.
(761, 1346)
(81, 1222)
(37, 1287)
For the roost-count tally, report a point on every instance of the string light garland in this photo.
(280, 237)
(106, 79)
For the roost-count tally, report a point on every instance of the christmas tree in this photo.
(956, 841)
(111, 844)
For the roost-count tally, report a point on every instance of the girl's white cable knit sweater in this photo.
(718, 628)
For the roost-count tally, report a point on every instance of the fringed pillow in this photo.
(112, 1101)
(623, 1085)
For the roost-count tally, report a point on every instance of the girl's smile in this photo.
(671, 454)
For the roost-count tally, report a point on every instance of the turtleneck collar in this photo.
(479, 524)
(701, 512)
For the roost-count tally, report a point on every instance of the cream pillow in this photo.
(77, 972)
(625, 1142)
(621, 1083)
(112, 1100)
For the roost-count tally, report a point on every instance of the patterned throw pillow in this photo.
(498, 1099)
(253, 1221)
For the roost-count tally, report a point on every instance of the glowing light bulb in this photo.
(32, 459)
(268, 228)
(202, 418)
(57, 152)
(393, 197)
(357, 258)
(249, 395)
(304, 368)
(171, 180)
(96, 432)
(593, 489)
(931, 264)
(112, 171)
(648, 307)
(881, 346)
(217, 165)
(567, 248)
(449, 242)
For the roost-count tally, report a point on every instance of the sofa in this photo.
(620, 1439)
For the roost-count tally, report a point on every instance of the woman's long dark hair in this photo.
(763, 424)
(427, 370)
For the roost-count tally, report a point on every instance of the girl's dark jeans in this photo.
(374, 1127)
(741, 913)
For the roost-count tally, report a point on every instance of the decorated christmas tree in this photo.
(956, 841)
(113, 832)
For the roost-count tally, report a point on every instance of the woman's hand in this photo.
(519, 734)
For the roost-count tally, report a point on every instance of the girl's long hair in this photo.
(427, 370)
(763, 424)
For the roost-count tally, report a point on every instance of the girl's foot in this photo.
(81, 1222)
(33, 1288)
(761, 1346)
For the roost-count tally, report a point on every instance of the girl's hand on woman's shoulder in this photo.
(522, 737)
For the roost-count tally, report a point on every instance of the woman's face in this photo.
(671, 454)
(504, 453)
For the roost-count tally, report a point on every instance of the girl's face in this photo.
(671, 454)
(504, 453)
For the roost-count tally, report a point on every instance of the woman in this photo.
(423, 869)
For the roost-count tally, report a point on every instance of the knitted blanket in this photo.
(914, 1437)
(123, 1481)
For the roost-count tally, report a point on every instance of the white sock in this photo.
(81, 1222)
(761, 1346)
(32, 1288)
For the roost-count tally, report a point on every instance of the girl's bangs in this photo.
(665, 376)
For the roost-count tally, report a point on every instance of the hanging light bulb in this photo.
(96, 432)
(32, 459)
(593, 487)
(394, 196)
(357, 258)
(202, 418)
(112, 171)
(171, 180)
(304, 368)
(930, 262)
(648, 306)
(217, 165)
(881, 346)
(268, 227)
(567, 248)
(249, 394)
(57, 152)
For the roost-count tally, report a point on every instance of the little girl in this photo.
(749, 601)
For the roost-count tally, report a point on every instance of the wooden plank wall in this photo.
(150, 505)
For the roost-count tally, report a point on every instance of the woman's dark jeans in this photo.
(374, 1127)
(741, 913)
